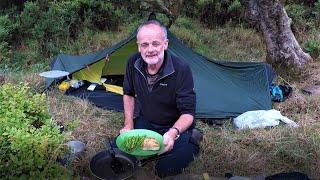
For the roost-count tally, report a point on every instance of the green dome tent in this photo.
(223, 89)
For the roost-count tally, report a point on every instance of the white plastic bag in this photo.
(261, 119)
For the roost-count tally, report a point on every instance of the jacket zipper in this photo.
(157, 79)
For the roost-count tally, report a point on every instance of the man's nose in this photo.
(151, 48)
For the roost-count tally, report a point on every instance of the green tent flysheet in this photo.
(223, 89)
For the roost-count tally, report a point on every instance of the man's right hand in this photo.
(125, 128)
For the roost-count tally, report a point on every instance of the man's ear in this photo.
(166, 43)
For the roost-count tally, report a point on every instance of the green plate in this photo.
(139, 132)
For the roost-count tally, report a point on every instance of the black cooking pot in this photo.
(113, 164)
(116, 165)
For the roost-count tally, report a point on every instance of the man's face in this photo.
(151, 44)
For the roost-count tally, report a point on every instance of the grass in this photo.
(227, 43)
(224, 149)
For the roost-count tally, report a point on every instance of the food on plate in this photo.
(150, 144)
(132, 143)
(140, 142)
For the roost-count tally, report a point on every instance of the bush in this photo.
(56, 23)
(30, 143)
(7, 4)
(214, 12)
(313, 48)
(7, 28)
(102, 15)
(316, 12)
(302, 16)
(309, 3)
(5, 53)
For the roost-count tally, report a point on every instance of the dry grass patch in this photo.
(300, 105)
(259, 151)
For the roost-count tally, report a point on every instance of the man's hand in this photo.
(126, 128)
(168, 140)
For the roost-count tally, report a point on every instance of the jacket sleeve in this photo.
(185, 94)
(128, 88)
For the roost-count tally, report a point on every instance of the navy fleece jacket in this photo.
(172, 94)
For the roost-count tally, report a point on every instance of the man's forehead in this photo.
(150, 30)
(151, 26)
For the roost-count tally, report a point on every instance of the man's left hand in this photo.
(168, 141)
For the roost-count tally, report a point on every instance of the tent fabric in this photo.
(91, 73)
(118, 60)
(113, 88)
(71, 63)
(223, 89)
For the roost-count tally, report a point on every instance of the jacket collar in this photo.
(167, 68)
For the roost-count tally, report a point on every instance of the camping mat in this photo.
(100, 97)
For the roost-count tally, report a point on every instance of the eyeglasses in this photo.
(145, 45)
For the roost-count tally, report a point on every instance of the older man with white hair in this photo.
(163, 85)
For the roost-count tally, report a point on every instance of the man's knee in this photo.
(163, 170)
(176, 161)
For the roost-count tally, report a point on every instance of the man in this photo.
(163, 86)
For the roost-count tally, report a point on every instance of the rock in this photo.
(311, 90)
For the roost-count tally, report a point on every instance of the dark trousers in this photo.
(179, 157)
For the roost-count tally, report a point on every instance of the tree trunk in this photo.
(283, 50)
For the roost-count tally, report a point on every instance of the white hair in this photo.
(154, 22)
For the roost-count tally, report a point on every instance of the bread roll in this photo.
(150, 144)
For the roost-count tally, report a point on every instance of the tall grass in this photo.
(224, 43)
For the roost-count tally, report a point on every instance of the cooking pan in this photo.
(112, 165)
(117, 165)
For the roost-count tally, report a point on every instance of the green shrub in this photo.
(29, 17)
(6, 4)
(4, 28)
(5, 53)
(307, 3)
(214, 12)
(7, 31)
(30, 143)
(316, 12)
(7, 27)
(102, 15)
(301, 15)
(296, 11)
(56, 23)
(317, 5)
(313, 48)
